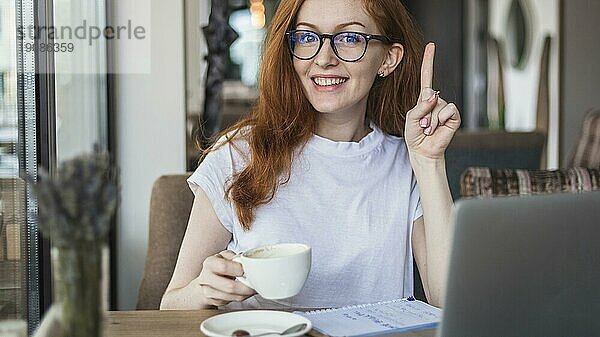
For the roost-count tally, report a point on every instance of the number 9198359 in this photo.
(50, 47)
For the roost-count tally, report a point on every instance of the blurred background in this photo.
(512, 66)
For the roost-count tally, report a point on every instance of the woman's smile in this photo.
(328, 83)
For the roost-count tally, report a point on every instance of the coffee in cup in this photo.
(276, 271)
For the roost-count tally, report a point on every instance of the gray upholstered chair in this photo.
(170, 206)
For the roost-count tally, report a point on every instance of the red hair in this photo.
(283, 120)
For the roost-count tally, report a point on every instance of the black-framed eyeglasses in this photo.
(347, 46)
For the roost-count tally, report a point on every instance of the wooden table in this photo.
(180, 323)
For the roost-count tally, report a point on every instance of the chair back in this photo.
(170, 205)
(494, 149)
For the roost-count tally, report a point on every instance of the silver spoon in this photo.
(288, 331)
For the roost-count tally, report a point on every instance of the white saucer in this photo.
(253, 321)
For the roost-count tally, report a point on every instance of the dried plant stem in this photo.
(78, 279)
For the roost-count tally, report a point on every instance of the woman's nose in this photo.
(326, 56)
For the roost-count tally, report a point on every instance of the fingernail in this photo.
(428, 131)
(424, 122)
(433, 97)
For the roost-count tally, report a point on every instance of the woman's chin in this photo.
(326, 108)
(331, 109)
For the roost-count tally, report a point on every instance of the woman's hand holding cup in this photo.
(217, 280)
(276, 272)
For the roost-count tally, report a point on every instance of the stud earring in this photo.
(381, 74)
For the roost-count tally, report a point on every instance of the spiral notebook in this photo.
(375, 318)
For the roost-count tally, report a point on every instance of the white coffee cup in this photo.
(276, 271)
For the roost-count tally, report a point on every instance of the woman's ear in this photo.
(392, 59)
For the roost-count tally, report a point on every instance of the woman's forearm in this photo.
(189, 297)
(437, 203)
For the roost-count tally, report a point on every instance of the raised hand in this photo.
(431, 124)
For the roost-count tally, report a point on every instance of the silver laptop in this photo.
(525, 266)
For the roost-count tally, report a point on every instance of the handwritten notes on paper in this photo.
(381, 317)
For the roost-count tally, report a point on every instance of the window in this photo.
(17, 150)
(34, 84)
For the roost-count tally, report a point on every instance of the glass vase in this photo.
(78, 288)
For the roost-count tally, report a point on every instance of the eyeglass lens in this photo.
(348, 46)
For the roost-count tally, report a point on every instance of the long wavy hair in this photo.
(283, 120)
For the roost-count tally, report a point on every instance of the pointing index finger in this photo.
(427, 66)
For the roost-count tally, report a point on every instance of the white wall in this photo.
(150, 118)
(521, 85)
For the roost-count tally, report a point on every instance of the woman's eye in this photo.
(350, 38)
(307, 38)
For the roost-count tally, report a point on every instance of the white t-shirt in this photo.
(354, 203)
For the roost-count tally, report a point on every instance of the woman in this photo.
(327, 158)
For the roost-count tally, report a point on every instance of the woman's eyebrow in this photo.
(341, 25)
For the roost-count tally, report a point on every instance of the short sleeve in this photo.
(212, 176)
(415, 199)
